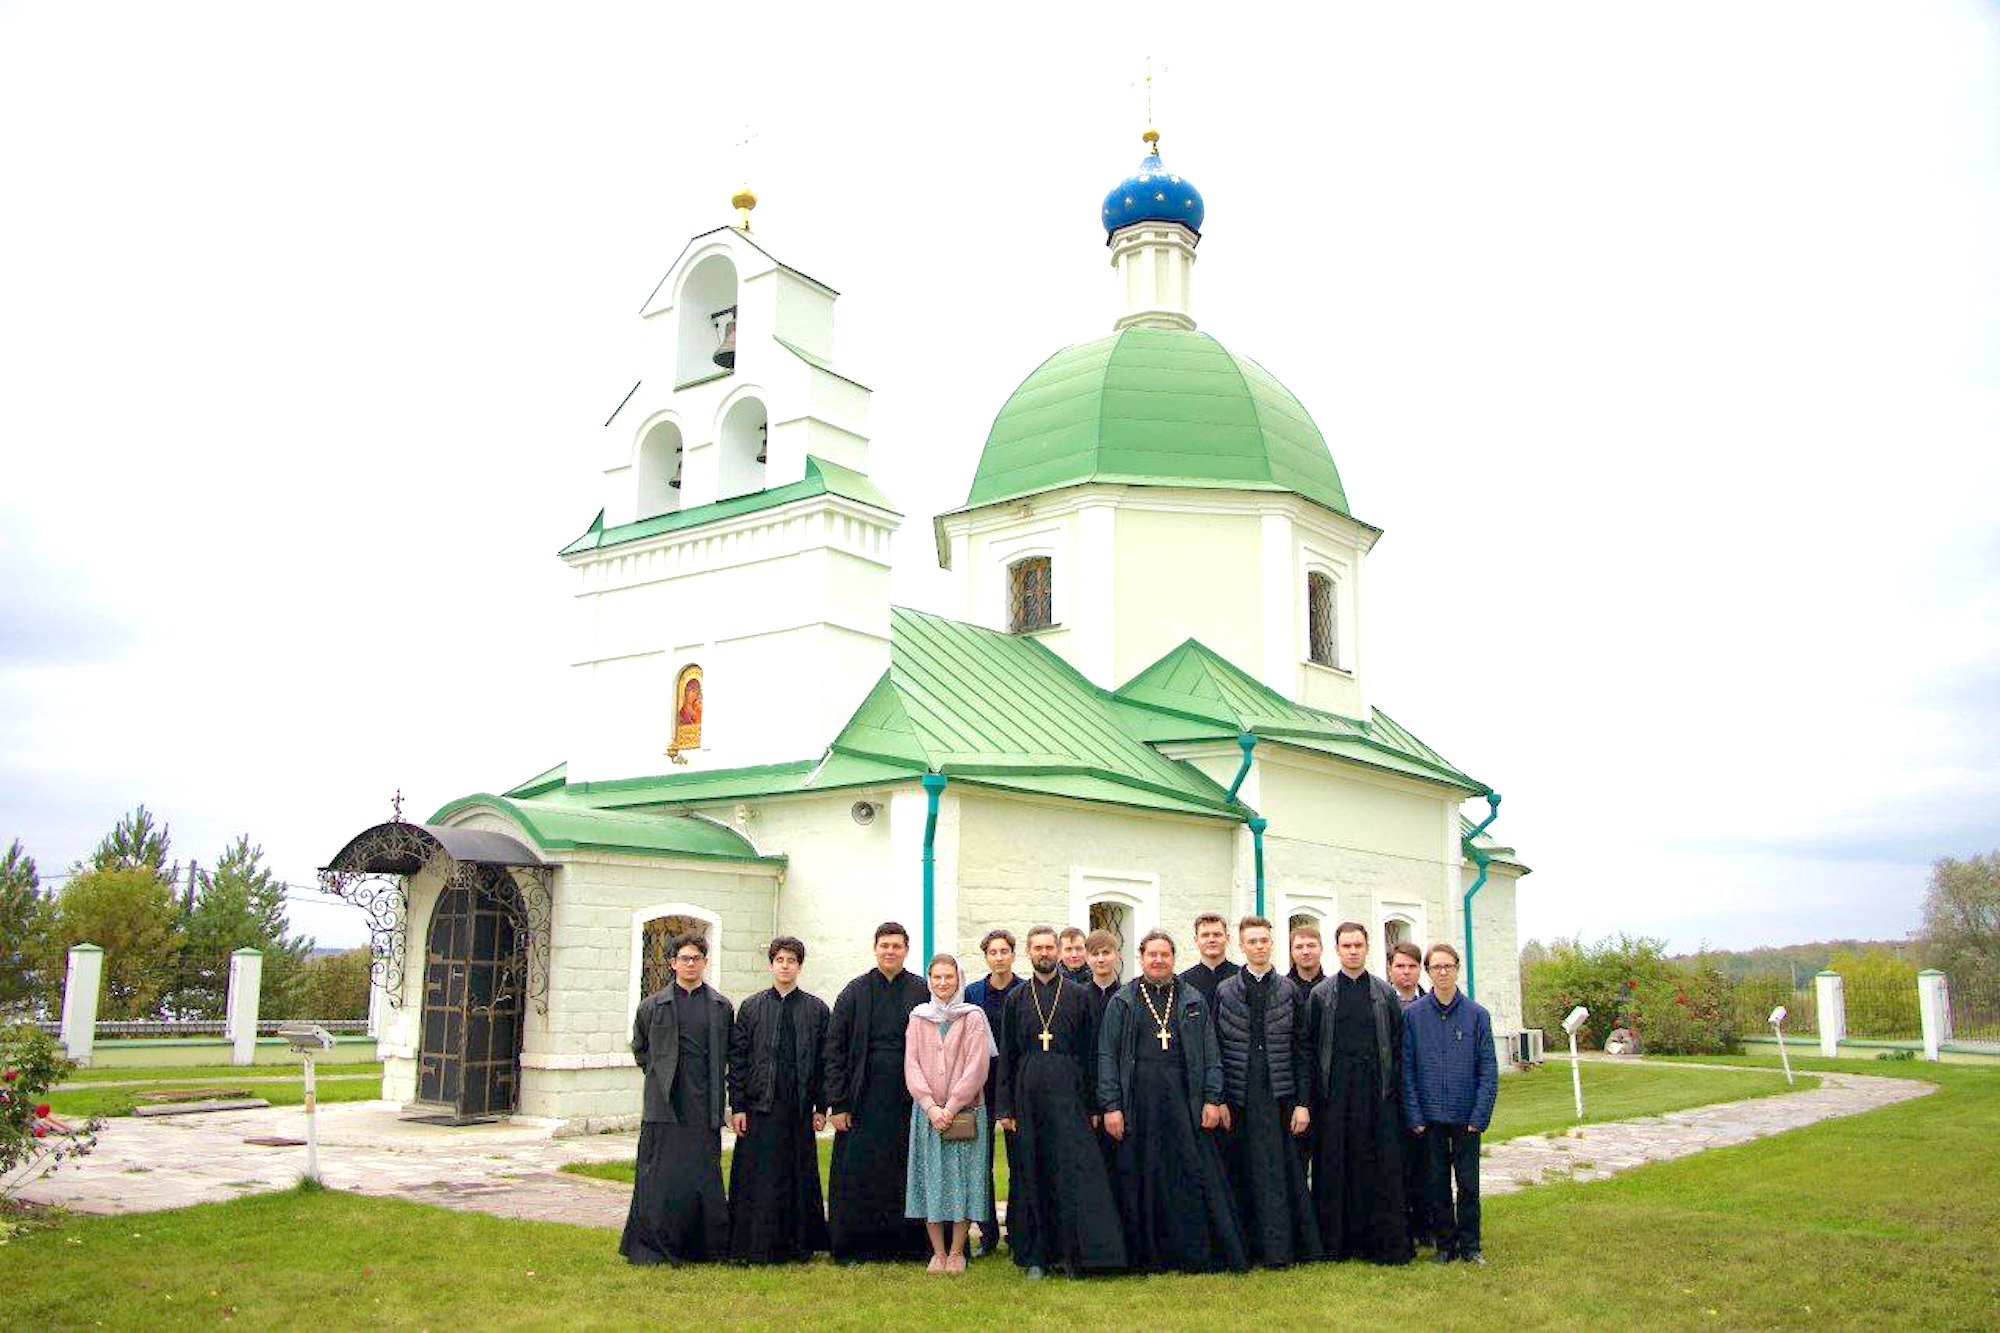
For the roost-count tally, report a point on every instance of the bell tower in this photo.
(732, 599)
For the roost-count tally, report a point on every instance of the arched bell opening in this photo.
(661, 457)
(707, 321)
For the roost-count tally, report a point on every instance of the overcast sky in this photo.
(1662, 340)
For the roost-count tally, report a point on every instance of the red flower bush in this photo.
(33, 1064)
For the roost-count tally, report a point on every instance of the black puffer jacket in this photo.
(1286, 1052)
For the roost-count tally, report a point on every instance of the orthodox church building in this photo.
(1150, 696)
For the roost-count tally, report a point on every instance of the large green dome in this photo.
(1154, 407)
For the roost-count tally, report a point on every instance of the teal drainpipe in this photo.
(1249, 743)
(1480, 859)
(1257, 826)
(933, 788)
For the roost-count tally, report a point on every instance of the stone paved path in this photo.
(1597, 1152)
(510, 1169)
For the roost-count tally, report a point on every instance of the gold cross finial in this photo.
(396, 805)
(1151, 136)
(745, 198)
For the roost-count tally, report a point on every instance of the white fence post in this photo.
(1832, 1012)
(246, 979)
(79, 1012)
(1934, 1003)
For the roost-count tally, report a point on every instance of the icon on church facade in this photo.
(687, 709)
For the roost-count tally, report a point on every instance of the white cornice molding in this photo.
(1311, 517)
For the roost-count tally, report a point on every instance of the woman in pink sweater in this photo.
(946, 1052)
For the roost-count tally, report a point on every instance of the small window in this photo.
(656, 971)
(1030, 595)
(1395, 931)
(1322, 630)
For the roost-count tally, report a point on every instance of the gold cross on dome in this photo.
(1151, 136)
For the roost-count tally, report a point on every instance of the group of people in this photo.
(1209, 1119)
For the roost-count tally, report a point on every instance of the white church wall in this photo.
(835, 888)
(581, 1070)
(1019, 859)
(1182, 574)
(771, 593)
(1497, 965)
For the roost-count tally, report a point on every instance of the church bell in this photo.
(763, 441)
(725, 326)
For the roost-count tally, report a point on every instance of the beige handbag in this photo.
(964, 1128)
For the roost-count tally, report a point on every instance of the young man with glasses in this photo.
(1451, 1076)
(680, 1038)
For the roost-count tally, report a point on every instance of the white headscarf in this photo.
(937, 1009)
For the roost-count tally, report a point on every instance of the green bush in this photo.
(1630, 983)
(1880, 990)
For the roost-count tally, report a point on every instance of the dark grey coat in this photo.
(656, 1045)
(1118, 1046)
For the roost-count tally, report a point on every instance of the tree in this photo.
(238, 905)
(135, 842)
(20, 929)
(1961, 930)
(129, 913)
(336, 986)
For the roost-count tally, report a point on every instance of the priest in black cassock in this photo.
(1060, 1209)
(871, 1108)
(680, 1037)
(1211, 942)
(775, 1209)
(1357, 1036)
(1159, 1083)
(1266, 1071)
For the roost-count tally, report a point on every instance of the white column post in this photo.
(79, 1011)
(377, 997)
(1832, 1012)
(246, 979)
(1934, 1003)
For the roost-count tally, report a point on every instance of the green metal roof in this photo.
(822, 478)
(1002, 710)
(1154, 407)
(1193, 693)
(561, 824)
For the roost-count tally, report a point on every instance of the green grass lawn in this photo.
(82, 1103)
(1538, 1101)
(202, 1073)
(1882, 1219)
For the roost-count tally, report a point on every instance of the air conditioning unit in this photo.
(1528, 1047)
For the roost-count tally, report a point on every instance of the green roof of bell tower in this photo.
(1154, 407)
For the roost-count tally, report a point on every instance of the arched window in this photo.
(1030, 594)
(1395, 931)
(1116, 917)
(743, 443)
(659, 471)
(1322, 628)
(707, 318)
(654, 930)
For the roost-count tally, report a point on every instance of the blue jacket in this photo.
(1450, 1073)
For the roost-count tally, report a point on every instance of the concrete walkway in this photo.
(510, 1169)
(1597, 1152)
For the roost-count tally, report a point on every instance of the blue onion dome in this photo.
(1153, 194)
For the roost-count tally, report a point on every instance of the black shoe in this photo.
(1473, 1257)
(1443, 1256)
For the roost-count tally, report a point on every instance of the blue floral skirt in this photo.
(947, 1181)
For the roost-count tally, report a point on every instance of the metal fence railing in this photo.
(1975, 1010)
(109, 1030)
(1883, 1010)
(1753, 998)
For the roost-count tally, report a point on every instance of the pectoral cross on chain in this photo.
(1047, 1037)
(1164, 1035)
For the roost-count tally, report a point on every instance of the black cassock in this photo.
(1358, 1164)
(1107, 1147)
(678, 1212)
(1265, 1165)
(775, 1210)
(1060, 1208)
(1174, 1192)
(864, 1077)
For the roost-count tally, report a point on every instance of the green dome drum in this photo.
(1154, 407)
